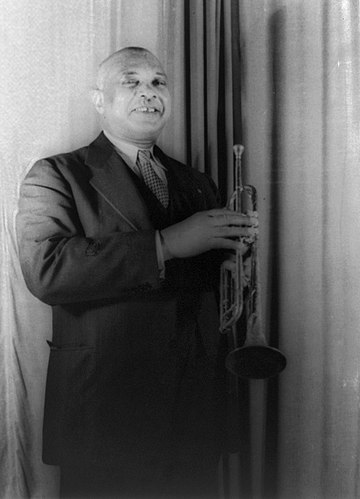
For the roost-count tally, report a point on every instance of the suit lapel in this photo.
(112, 180)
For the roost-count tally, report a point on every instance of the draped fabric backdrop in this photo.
(282, 76)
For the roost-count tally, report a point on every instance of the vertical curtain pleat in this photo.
(172, 53)
(340, 251)
(212, 45)
(210, 54)
(196, 82)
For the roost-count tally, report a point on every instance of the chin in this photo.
(147, 133)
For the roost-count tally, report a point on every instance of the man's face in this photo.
(136, 102)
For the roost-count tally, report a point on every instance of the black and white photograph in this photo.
(179, 261)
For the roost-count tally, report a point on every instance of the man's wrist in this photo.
(160, 254)
(165, 250)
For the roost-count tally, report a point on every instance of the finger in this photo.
(234, 219)
(253, 220)
(229, 244)
(220, 212)
(252, 213)
(223, 217)
(236, 232)
(247, 213)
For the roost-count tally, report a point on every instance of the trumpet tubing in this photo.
(239, 297)
(231, 298)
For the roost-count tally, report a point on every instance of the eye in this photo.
(130, 83)
(159, 83)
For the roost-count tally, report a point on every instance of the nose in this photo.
(147, 92)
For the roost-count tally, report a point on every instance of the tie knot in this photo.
(144, 155)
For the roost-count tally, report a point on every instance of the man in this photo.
(123, 242)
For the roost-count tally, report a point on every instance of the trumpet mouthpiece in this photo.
(238, 150)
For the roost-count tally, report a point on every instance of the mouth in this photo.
(146, 110)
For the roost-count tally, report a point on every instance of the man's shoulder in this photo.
(77, 156)
(73, 162)
(68, 167)
(95, 153)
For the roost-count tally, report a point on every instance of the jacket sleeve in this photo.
(60, 264)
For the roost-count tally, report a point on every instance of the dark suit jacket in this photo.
(123, 339)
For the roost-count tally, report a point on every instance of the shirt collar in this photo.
(126, 150)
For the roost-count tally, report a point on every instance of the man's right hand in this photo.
(207, 230)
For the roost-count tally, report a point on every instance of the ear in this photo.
(97, 98)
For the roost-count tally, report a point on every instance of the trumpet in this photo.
(239, 296)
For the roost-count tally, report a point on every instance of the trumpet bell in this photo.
(255, 362)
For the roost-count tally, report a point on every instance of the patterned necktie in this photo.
(151, 179)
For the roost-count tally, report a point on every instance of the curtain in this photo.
(301, 120)
(282, 77)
